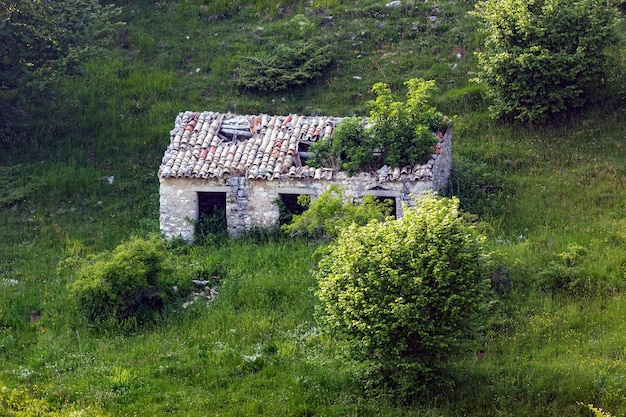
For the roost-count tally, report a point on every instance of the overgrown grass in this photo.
(83, 179)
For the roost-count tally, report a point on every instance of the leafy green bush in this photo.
(405, 294)
(564, 276)
(129, 282)
(283, 66)
(542, 56)
(328, 214)
(398, 133)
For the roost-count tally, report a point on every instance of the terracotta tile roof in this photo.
(216, 145)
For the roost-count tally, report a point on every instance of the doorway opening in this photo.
(211, 214)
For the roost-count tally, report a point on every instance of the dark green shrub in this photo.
(542, 56)
(405, 294)
(397, 134)
(564, 275)
(283, 66)
(129, 282)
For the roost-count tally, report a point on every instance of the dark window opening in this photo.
(211, 214)
(288, 206)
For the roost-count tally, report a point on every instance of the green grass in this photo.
(256, 349)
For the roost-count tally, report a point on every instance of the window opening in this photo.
(288, 206)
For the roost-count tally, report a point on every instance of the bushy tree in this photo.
(542, 57)
(128, 283)
(397, 133)
(405, 294)
(42, 39)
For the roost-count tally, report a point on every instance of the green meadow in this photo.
(81, 179)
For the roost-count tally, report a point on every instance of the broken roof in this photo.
(217, 145)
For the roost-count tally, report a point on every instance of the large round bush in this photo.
(406, 294)
(541, 57)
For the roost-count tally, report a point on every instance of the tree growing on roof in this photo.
(405, 294)
(543, 57)
(397, 133)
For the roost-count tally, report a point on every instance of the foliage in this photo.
(397, 133)
(283, 66)
(129, 282)
(596, 411)
(406, 294)
(564, 276)
(13, 187)
(21, 403)
(328, 214)
(42, 40)
(542, 57)
(544, 354)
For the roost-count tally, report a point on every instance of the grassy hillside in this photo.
(83, 179)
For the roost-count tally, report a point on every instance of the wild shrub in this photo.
(14, 187)
(131, 282)
(541, 57)
(328, 214)
(283, 66)
(21, 402)
(405, 294)
(398, 133)
(564, 275)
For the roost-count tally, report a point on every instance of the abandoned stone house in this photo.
(236, 167)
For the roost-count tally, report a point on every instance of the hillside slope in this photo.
(553, 199)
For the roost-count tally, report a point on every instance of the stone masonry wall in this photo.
(250, 202)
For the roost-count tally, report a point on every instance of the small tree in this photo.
(542, 56)
(398, 133)
(405, 294)
(42, 42)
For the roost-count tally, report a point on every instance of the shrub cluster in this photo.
(405, 294)
(22, 402)
(283, 66)
(542, 56)
(564, 275)
(398, 133)
(328, 214)
(128, 283)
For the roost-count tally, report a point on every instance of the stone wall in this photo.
(250, 202)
